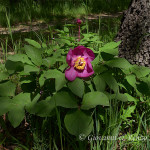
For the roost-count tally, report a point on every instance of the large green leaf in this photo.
(16, 113)
(15, 116)
(30, 106)
(111, 81)
(120, 97)
(5, 105)
(96, 60)
(43, 108)
(14, 66)
(60, 82)
(33, 43)
(7, 89)
(99, 83)
(49, 61)
(34, 54)
(110, 48)
(4, 75)
(77, 87)
(92, 99)
(99, 69)
(140, 71)
(21, 100)
(119, 63)
(131, 80)
(143, 88)
(65, 99)
(31, 68)
(50, 74)
(130, 98)
(78, 123)
(63, 67)
(20, 57)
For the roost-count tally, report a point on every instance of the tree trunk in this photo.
(135, 33)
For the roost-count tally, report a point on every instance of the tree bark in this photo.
(135, 33)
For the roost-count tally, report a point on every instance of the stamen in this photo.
(80, 63)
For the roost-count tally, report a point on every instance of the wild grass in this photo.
(29, 10)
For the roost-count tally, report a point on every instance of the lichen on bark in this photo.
(135, 33)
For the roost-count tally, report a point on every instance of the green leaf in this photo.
(99, 69)
(16, 113)
(66, 29)
(30, 106)
(119, 63)
(120, 97)
(92, 99)
(13, 66)
(61, 59)
(96, 60)
(65, 99)
(140, 71)
(63, 67)
(43, 108)
(20, 57)
(44, 45)
(143, 88)
(34, 54)
(21, 100)
(110, 48)
(131, 80)
(127, 112)
(4, 105)
(99, 83)
(49, 61)
(111, 81)
(77, 123)
(65, 41)
(77, 87)
(122, 86)
(33, 43)
(29, 68)
(50, 74)
(4, 76)
(106, 56)
(15, 116)
(60, 82)
(130, 98)
(7, 89)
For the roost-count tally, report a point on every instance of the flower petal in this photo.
(69, 57)
(89, 53)
(88, 71)
(71, 74)
(79, 50)
(83, 51)
(89, 66)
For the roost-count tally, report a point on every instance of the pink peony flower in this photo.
(79, 61)
(78, 21)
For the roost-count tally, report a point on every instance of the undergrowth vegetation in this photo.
(49, 10)
(108, 110)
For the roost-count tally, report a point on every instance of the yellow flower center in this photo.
(79, 63)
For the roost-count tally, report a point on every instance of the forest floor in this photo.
(37, 25)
